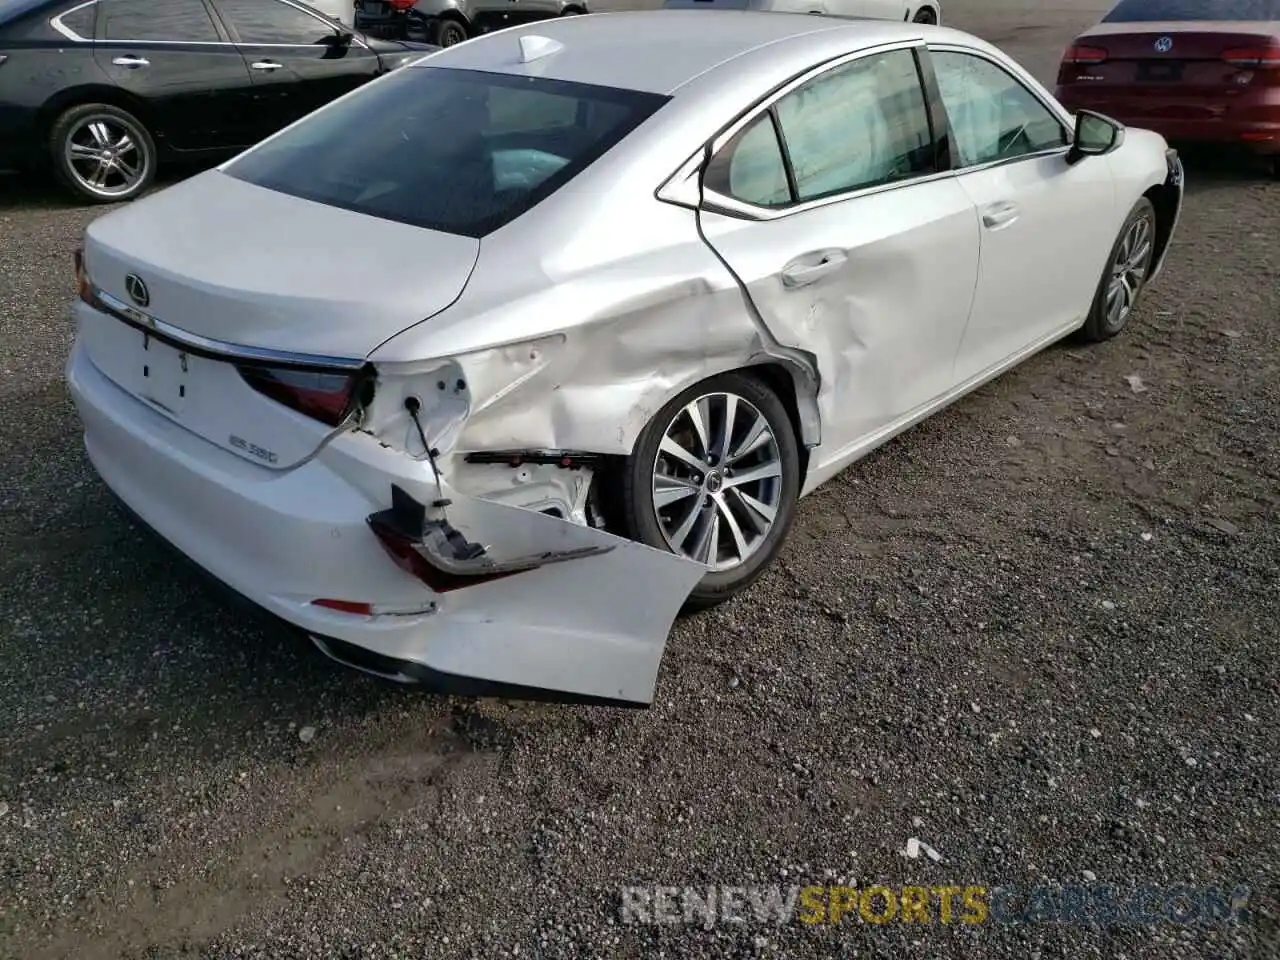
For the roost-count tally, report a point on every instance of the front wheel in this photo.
(445, 32)
(102, 153)
(715, 478)
(1128, 265)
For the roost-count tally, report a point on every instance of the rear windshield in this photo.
(1130, 11)
(459, 151)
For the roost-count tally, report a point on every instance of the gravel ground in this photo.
(1037, 633)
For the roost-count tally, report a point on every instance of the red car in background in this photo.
(1192, 70)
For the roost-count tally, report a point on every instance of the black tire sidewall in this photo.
(637, 500)
(444, 27)
(1095, 327)
(925, 16)
(68, 120)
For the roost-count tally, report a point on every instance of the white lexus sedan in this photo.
(481, 373)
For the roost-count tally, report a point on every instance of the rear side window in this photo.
(461, 151)
(173, 20)
(859, 125)
(1140, 11)
(80, 20)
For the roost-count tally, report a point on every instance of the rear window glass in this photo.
(1129, 11)
(460, 151)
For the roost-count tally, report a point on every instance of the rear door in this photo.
(1047, 226)
(852, 244)
(299, 61)
(174, 58)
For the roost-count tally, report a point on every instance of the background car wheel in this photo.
(925, 15)
(446, 32)
(1126, 274)
(715, 477)
(103, 153)
(572, 12)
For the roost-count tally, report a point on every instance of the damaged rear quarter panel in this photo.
(645, 311)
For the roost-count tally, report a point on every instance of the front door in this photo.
(1046, 226)
(299, 61)
(172, 57)
(830, 209)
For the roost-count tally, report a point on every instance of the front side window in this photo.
(993, 116)
(446, 149)
(270, 21)
(174, 20)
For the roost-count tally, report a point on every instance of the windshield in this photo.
(460, 151)
(1128, 11)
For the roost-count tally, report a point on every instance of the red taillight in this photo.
(321, 395)
(401, 5)
(345, 606)
(1259, 58)
(1084, 55)
(407, 558)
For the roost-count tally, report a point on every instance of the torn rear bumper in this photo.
(576, 614)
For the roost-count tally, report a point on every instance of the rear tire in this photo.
(446, 32)
(1125, 276)
(685, 496)
(102, 153)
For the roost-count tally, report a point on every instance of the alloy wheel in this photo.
(106, 156)
(1128, 271)
(717, 481)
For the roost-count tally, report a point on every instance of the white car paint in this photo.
(567, 328)
(902, 10)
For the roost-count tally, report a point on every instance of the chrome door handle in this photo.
(812, 266)
(999, 215)
(131, 62)
(266, 65)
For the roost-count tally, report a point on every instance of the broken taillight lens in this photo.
(326, 396)
(403, 551)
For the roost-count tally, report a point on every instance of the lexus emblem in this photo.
(1164, 44)
(137, 290)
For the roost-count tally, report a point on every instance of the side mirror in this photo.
(1095, 135)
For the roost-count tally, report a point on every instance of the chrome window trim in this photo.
(751, 211)
(62, 28)
(216, 349)
(67, 32)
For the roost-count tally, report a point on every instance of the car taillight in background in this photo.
(1257, 58)
(1083, 55)
(401, 5)
(327, 396)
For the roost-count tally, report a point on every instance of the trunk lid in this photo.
(229, 265)
(239, 263)
(1184, 59)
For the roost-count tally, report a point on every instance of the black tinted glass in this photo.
(1151, 10)
(146, 20)
(270, 21)
(460, 151)
(80, 21)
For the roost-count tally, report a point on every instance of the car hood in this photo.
(241, 264)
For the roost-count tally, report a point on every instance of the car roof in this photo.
(659, 51)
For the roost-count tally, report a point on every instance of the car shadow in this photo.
(42, 191)
(1213, 168)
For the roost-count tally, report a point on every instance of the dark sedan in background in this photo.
(446, 22)
(1193, 70)
(104, 91)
